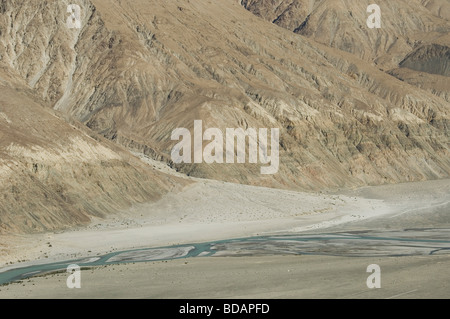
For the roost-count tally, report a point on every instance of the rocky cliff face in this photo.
(136, 70)
(433, 59)
(405, 25)
(411, 33)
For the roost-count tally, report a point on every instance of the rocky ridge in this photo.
(136, 70)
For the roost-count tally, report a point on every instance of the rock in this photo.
(137, 70)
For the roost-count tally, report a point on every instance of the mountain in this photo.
(413, 41)
(405, 25)
(55, 175)
(137, 70)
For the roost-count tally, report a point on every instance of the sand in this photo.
(211, 210)
(205, 211)
(250, 277)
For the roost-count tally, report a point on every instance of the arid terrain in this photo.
(402, 228)
(87, 114)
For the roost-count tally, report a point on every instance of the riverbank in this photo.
(201, 212)
(250, 277)
(209, 211)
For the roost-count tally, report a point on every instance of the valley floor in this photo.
(209, 210)
(250, 277)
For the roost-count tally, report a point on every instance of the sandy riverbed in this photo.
(205, 211)
(250, 277)
(210, 210)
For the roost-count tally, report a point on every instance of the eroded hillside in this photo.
(137, 70)
(55, 175)
(419, 28)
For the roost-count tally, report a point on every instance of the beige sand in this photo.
(252, 277)
(210, 210)
(205, 211)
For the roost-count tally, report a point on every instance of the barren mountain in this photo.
(414, 34)
(405, 25)
(55, 175)
(136, 70)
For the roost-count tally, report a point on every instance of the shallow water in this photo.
(350, 244)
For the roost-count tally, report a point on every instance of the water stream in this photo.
(350, 244)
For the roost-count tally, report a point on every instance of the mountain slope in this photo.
(54, 175)
(137, 70)
(342, 25)
(419, 28)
